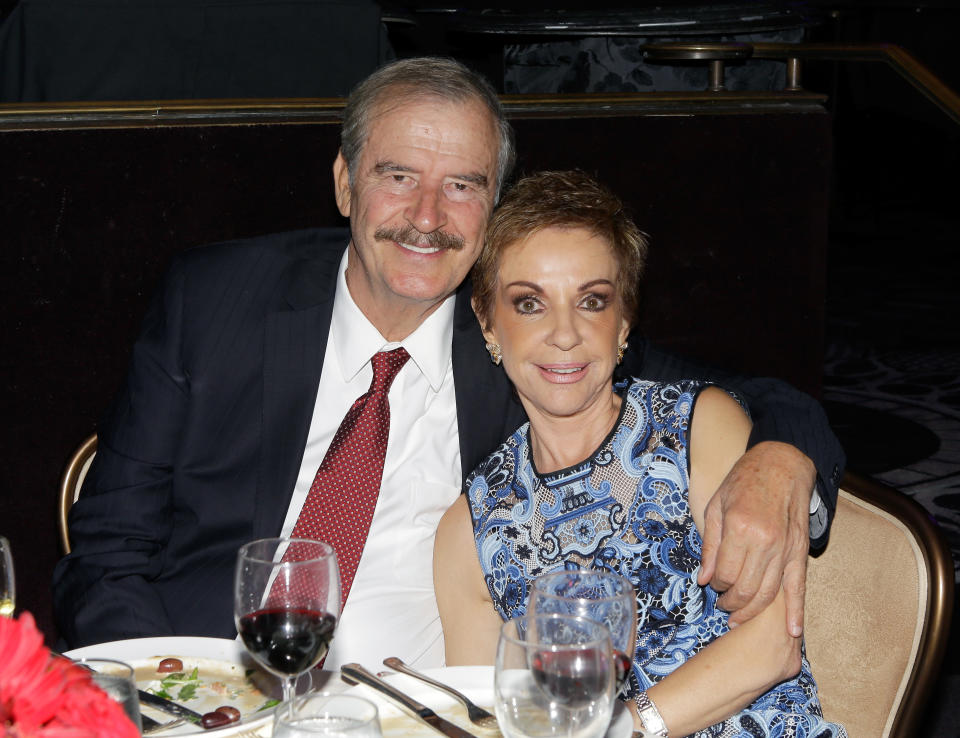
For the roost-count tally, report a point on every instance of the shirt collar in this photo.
(356, 339)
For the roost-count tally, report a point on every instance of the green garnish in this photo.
(185, 686)
(267, 705)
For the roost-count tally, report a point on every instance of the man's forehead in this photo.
(392, 140)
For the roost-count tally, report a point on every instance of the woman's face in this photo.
(558, 318)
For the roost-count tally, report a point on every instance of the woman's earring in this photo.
(621, 349)
(495, 353)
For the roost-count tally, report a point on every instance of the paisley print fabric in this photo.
(625, 509)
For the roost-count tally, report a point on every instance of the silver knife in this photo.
(356, 674)
(169, 706)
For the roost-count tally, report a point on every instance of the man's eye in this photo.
(460, 190)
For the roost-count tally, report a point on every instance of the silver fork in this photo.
(151, 726)
(478, 716)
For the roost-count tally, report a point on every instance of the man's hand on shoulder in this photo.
(756, 533)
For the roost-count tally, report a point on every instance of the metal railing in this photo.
(899, 59)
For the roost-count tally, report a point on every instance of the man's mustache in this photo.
(409, 234)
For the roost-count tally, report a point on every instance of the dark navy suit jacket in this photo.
(201, 449)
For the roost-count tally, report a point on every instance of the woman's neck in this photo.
(559, 442)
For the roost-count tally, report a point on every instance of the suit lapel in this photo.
(295, 342)
(487, 407)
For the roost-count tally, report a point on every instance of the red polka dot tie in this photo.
(340, 504)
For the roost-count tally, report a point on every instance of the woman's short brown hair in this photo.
(569, 199)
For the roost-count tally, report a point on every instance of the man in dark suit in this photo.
(253, 350)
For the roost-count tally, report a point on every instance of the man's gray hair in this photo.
(422, 77)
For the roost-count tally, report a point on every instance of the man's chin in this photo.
(418, 291)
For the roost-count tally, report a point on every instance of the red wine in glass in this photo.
(286, 601)
(574, 678)
(622, 665)
(287, 640)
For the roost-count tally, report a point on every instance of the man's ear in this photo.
(341, 184)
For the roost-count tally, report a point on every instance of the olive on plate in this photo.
(215, 720)
(230, 711)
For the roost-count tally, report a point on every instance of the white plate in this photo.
(206, 653)
(476, 682)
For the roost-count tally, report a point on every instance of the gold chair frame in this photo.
(70, 483)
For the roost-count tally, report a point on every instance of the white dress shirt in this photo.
(391, 609)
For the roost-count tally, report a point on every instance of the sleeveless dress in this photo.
(625, 509)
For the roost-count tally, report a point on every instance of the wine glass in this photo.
(602, 596)
(7, 588)
(554, 677)
(328, 716)
(286, 604)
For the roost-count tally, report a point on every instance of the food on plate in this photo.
(230, 711)
(223, 715)
(215, 720)
(177, 685)
(168, 665)
(223, 692)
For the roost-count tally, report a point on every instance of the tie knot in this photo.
(386, 364)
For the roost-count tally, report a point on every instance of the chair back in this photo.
(70, 484)
(878, 607)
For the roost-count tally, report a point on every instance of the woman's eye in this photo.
(594, 302)
(526, 305)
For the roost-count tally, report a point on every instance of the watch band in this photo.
(650, 718)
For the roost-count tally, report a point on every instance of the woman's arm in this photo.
(791, 450)
(471, 625)
(744, 663)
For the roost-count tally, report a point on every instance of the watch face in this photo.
(652, 722)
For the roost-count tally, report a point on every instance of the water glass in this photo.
(7, 588)
(602, 596)
(554, 677)
(328, 716)
(117, 680)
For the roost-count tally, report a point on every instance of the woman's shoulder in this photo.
(497, 462)
(641, 386)
(678, 395)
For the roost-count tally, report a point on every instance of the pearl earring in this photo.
(621, 349)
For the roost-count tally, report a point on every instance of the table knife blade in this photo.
(356, 674)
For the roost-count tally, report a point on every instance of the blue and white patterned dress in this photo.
(625, 509)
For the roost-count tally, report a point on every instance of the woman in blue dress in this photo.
(608, 474)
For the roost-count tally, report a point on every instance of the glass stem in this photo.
(289, 691)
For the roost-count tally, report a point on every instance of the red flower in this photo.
(45, 696)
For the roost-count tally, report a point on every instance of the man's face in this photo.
(423, 190)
